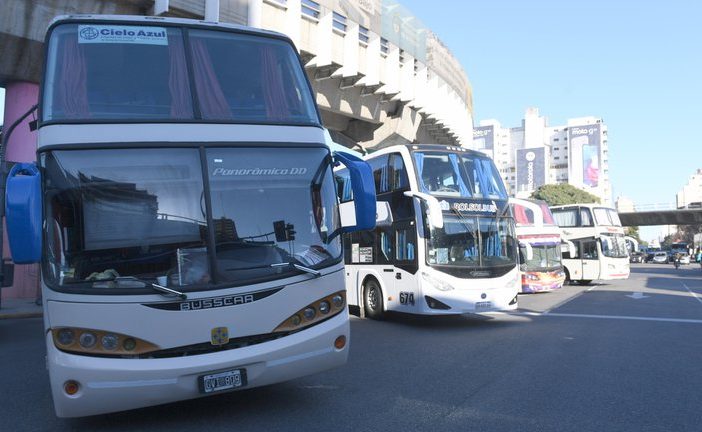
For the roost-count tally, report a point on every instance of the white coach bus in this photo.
(598, 236)
(184, 210)
(447, 244)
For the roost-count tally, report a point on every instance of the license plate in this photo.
(221, 381)
(483, 306)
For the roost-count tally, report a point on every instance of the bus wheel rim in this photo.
(372, 297)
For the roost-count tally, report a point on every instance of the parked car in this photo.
(685, 259)
(636, 257)
(660, 257)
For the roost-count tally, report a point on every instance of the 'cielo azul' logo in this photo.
(89, 33)
(530, 156)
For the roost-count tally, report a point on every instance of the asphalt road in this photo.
(596, 358)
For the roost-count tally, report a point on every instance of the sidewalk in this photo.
(19, 308)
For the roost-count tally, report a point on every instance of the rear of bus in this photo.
(191, 241)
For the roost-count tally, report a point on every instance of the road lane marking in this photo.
(563, 302)
(615, 317)
(692, 293)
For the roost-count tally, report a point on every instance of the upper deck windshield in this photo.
(606, 217)
(152, 214)
(126, 73)
(464, 175)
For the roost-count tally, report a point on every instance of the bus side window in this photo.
(399, 173)
(404, 245)
(565, 252)
(381, 174)
(585, 217)
(589, 249)
(385, 246)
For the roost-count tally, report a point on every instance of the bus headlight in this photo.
(327, 307)
(530, 276)
(440, 285)
(99, 342)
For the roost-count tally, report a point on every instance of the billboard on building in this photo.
(584, 155)
(484, 138)
(531, 169)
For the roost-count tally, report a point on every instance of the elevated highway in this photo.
(662, 217)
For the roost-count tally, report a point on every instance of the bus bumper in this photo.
(471, 301)
(115, 384)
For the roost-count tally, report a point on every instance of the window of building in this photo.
(363, 35)
(384, 46)
(339, 22)
(556, 158)
(311, 9)
(555, 139)
(402, 57)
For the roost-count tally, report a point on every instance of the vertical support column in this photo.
(293, 21)
(254, 14)
(21, 147)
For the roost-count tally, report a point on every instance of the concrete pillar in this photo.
(255, 11)
(22, 147)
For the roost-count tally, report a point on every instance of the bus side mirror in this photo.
(359, 214)
(434, 212)
(383, 214)
(23, 211)
(571, 248)
(528, 251)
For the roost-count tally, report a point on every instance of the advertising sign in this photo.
(484, 138)
(584, 164)
(531, 169)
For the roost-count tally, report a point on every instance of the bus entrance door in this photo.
(590, 261)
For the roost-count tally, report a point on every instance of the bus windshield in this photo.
(152, 214)
(614, 246)
(472, 242)
(146, 73)
(458, 175)
(546, 257)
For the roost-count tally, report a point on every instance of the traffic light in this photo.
(284, 231)
(290, 232)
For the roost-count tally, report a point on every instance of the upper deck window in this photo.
(145, 73)
(460, 175)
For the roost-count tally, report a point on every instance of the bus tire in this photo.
(584, 282)
(373, 299)
(567, 277)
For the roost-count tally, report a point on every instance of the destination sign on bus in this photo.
(122, 34)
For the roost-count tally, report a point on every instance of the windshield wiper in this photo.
(300, 267)
(168, 292)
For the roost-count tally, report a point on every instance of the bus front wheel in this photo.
(373, 300)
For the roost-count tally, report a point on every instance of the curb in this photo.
(17, 315)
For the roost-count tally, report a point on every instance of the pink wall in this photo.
(22, 147)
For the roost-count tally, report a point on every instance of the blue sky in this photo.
(638, 65)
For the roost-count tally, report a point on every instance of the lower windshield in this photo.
(545, 257)
(145, 213)
(614, 246)
(472, 242)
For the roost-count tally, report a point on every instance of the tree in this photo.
(633, 231)
(562, 194)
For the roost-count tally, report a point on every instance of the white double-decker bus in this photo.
(184, 210)
(447, 244)
(598, 236)
(540, 246)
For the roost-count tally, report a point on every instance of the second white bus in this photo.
(598, 236)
